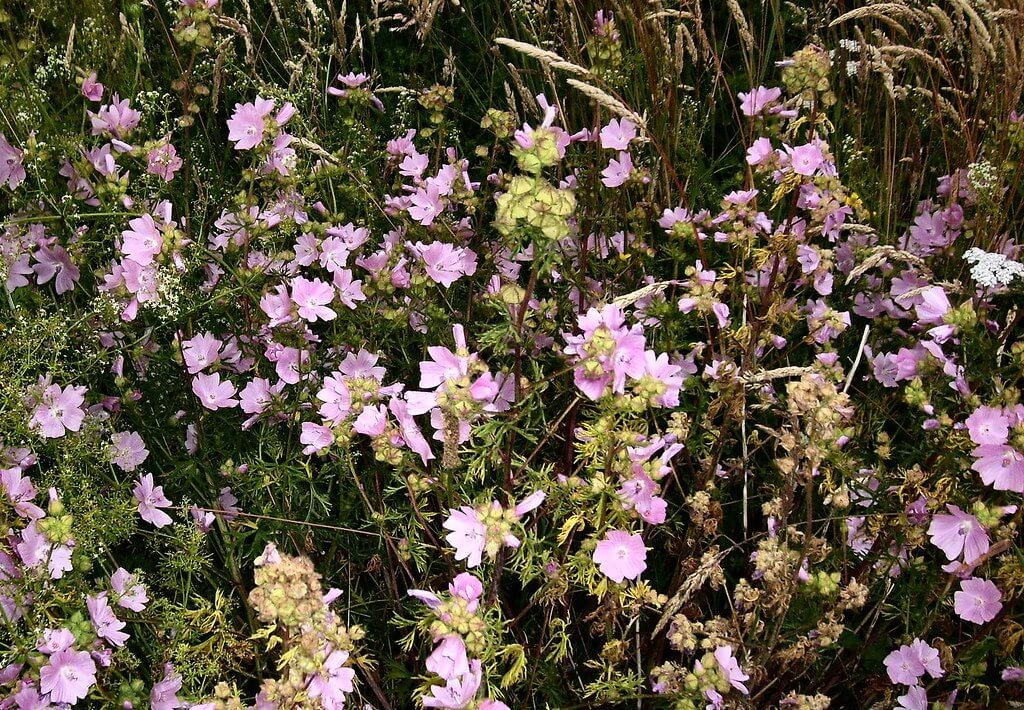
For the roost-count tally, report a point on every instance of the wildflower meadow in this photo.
(498, 354)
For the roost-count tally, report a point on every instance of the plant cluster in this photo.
(657, 354)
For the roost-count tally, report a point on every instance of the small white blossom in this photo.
(990, 269)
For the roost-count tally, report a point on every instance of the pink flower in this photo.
(151, 499)
(459, 691)
(607, 352)
(933, 307)
(58, 411)
(104, 622)
(988, 425)
(805, 159)
(278, 306)
(163, 161)
(333, 681)
(468, 535)
(128, 450)
(212, 393)
(12, 171)
(349, 291)
(316, 437)
(56, 262)
(35, 550)
(164, 695)
(411, 434)
(425, 205)
(663, 377)
(129, 593)
(978, 601)
(621, 556)
(908, 663)
(760, 151)
(730, 668)
(618, 171)
(915, 699)
(1000, 466)
(257, 395)
(758, 100)
(143, 241)
(20, 492)
(959, 532)
(312, 298)
(449, 658)
(248, 123)
(529, 503)
(116, 119)
(618, 134)
(92, 89)
(444, 263)
(68, 676)
(638, 493)
(336, 398)
(414, 164)
(200, 351)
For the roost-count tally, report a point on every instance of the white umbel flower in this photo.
(992, 270)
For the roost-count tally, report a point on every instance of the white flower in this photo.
(992, 270)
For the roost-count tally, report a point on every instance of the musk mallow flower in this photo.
(465, 587)
(20, 492)
(127, 450)
(458, 692)
(116, 119)
(486, 528)
(200, 351)
(212, 393)
(618, 134)
(660, 382)
(36, 550)
(915, 699)
(151, 499)
(907, 664)
(106, 625)
(760, 151)
(933, 307)
(618, 171)
(425, 205)
(248, 124)
(1000, 466)
(758, 100)
(639, 494)
(12, 169)
(54, 262)
(163, 161)
(607, 352)
(445, 264)
(316, 437)
(312, 298)
(449, 659)
(164, 695)
(978, 601)
(68, 676)
(805, 159)
(128, 591)
(621, 556)
(333, 680)
(988, 425)
(730, 668)
(959, 532)
(92, 89)
(58, 411)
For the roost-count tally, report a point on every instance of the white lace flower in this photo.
(991, 269)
